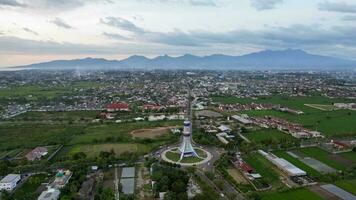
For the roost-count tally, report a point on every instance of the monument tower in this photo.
(186, 148)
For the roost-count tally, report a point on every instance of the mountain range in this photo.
(290, 59)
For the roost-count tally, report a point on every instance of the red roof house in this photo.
(117, 107)
(36, 153)
(246, 168)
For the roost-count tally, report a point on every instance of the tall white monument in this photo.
(186, 148)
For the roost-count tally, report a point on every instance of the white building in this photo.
(9, 182)
(283, 164)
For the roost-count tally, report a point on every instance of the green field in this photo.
(265, 168)
(37, 91)
(348, 185)
(330, 123)
(310, 171)
(57, 116)
(295, 194)
(32, 135)
(326, 158)
(267, 135)
(117, 132)
(27, 135)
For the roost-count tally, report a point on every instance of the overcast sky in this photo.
(41, 30)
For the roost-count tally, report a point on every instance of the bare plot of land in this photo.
(317, 165)
(207, 113)
(151, 133)
(238, 177)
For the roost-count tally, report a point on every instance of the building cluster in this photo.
(296, 130)
(257, 106)
(154, 90)
(53, 189)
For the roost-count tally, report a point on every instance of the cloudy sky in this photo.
(41, 30)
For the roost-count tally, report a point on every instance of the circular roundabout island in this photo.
(173, 155)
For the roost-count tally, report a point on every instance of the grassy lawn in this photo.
(264, 167)
(18, 135)
(295, 194)
(348, 185)
(94, 150)
(310, 171)
(323, 157)
(330, 123)
(46, 92)
(116, 132)
(349, 156)
(267, 135)
(28, 190)
(172, 156)
(176, 156)
(58, 116)
(32, 135)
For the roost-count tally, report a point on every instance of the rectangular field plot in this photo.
(238, 177)
(317, 165)
(348, 185)
(342, 194)
(295, 194)
(335, 161)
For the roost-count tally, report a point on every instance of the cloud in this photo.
(30, 31)
(60, 23)
(123, 24)
(294, 36)
(115, 36)
(342, 7)
(15, 45)
(349, 18)
(13, 3)
(202, 3)
(186, 2)
(265, 4)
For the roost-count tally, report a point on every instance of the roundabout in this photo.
(173, 155)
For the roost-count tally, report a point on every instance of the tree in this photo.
(79, 155)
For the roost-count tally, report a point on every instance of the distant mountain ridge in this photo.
(290, 59)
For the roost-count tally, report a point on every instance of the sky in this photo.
(34, 31)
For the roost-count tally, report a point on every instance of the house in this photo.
(245, 167)
(117, 107)
(61, 179)
(50, 194)
(151, 107)
(224, 128)
(36, 153)
(9, 182)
